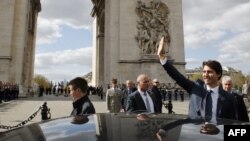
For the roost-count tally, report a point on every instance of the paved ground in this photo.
(16, 111)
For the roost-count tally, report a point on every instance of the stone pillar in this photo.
(94, 55)
(100, 40)
(98, 43)
(98, 55)
(29, 49)
(17, 41)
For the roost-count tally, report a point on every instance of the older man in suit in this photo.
(216, 103)
(114, 98)
(155, 90)
(241, 110)
(127, 91)
(141, 100)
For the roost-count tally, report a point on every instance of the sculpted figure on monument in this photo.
(152, 24)
(142, 37)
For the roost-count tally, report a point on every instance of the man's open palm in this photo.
(161, 51)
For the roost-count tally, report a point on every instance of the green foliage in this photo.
(41, 80)
(238, 79)
(194, 77)
(248, 78)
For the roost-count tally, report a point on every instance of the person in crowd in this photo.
(163, 94)
(170, 107)
(127, 91)
(216, 103)
(169, 91)
(1, 91)
(141, 100)
(81, 102)
(155, 90)
(7, 92)
(100, 91)
(176, 91)
(182, 95)
(41, 90)
(241, 111)
(114, 98)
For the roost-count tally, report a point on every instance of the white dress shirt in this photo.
(214, 95)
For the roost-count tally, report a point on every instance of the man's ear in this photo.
(219, 76)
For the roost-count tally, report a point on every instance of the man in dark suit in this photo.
(141, 100)
(155, 90)
(241, 110)
(127, 91)
(216, 103)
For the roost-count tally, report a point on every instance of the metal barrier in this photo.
(45, 113)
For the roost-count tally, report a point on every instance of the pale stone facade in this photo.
(18, 20)
(118, 51)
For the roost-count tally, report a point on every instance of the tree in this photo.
(196, 76)
(41, 80)
(238, 80)
(248, 78)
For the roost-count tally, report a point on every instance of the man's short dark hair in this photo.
(215, 65)
(114, 81)
(80, 83)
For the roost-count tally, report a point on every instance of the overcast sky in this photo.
(213, 29)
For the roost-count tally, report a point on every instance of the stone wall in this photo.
(123, 56)
(17, 41)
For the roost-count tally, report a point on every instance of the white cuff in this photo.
(164, 61)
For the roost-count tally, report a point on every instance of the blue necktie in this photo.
(209, 106)
(129, 91)
(147, 102)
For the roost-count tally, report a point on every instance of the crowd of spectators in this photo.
(8, 91)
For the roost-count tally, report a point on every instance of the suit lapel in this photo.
(152, 95)
(140, 100)
(220, 102)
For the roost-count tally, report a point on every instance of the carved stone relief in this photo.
(152, 24)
